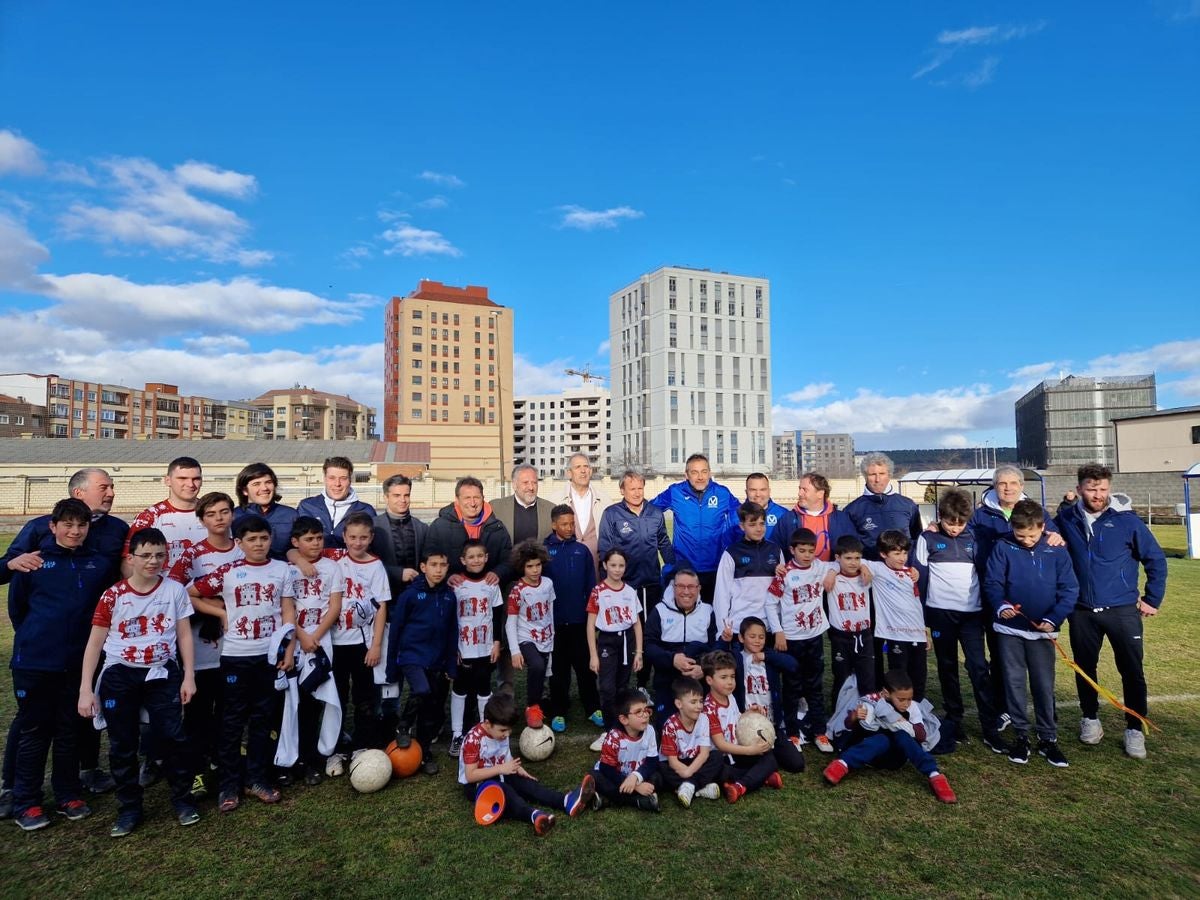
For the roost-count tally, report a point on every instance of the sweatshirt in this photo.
(743, 577)
(1106, 555)
(1039, 582)
(423, 629)
(702, 524)
(573, 572)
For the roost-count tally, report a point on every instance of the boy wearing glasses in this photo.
(627, 772)
(138, 624)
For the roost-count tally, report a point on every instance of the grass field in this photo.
(1107, 826)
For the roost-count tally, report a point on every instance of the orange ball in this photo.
(405, 760)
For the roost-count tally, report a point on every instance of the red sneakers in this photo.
(941, 788)
(733, 791)
(774, 780)
(534, 716)
(542, 823)
(836, 771)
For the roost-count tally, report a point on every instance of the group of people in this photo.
(266, 644)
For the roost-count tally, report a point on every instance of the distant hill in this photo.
(945, 458)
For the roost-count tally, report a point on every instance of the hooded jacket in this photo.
(1106, 558)
(447, 535)
(423, 629)
(872, 514)
(573, 572)
(828, 525)
(318, 508)
(670, 630)
(989, 524)
(1039, 582)
(641, 537)
(106, 536)
(280, 518)
(704, 525)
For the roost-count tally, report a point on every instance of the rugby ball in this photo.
(536, 743)
(370, 770)
(752, 726)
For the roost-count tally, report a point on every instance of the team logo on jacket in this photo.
(712, 501)
(48, 564)
(772, 520)
(625, 528)
(745, 560)
(940, 547)
(869, 524)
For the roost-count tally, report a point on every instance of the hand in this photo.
(1008, 613)
(682, 664)
(860, 713)
(756, 708)
(781, 569)
(289, 660)
(780, 642)
(525, 774)
(407, 575)
(495, 654)
(695, 672)
(630, 784)
(759, 747)
(371, 660)
(87, 703)
(307, 642)
(187, 690)
(307, 569)
(1146, 609)
(491, 578)
(637, 662)
(830, 580)
(645, 788)
(26, 562)
(512, 767)
(518, 662)
(865, 574)
(758, 657)
(914, 574)
(455, 580)
(1054, 539)
(1045, 626)
(932, 526)
(593, 664)
(727, 631)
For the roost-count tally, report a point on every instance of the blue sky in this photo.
(952, 201)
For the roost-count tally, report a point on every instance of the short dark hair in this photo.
(211, 499)
(241, 487)
(251, 525)
(526, 552)
(625, 699)
(183, 462)
(71, 510)
(471, 543)
(501, 710)
(803, 537)
(561, 510)
(467, 481)
(429, 552)
(358, 518)
(337, 462)
(897, 680)
(303, 525)
(749, 622)
(819, 481)
(147, 537)
(395, 481)
(847, 543)
(1094, 472)
(611, 552)
(893, 539)
(1027, 514)
(686, 687)
(685, 570)
(716, 661)
(756, 476)
(749, 511)
(955, 506)
(694, 458)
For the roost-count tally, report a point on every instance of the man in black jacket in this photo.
(399, 535)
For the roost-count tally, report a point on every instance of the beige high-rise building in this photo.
(448, 378)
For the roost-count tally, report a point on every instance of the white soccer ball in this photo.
(751, 726)
(370, 770)
(537, 743)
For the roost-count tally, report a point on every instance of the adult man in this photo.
(176, 516)
(679, 630)
(881, 507)
(705, 516)
(758, 490)
(399, 535)
(639, 530)
(470, 516)
(336, 502)
(587, 503)
(524, 514)
(814, 511)
(1107, 542)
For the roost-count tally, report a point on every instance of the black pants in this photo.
(852, 654)
(425, 709)
(46, 717)
(202, 719)
(615, 649)
(571, 655)
(474, 676)
(608, 786)
(751, 772)
(708, 773)
(787, 754)
(87, 747)
(357, 690)
(649, 594)
(950, 629)
(1122, 625)
(996, 667)
(806, 682)
(708, 586)
(519, 793)
(536, 663)
(248, 704)
(124, 692)
(907, 656)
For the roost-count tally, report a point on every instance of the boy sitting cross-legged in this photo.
(692, 769)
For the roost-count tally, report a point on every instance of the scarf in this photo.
(475, 528)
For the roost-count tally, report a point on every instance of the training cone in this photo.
(489, 802)
(405, 760)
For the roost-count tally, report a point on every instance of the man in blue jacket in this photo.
(758, 490)
(881, 507)
(705, 517)
(639, 530)
(1108, 542)
(336, 502)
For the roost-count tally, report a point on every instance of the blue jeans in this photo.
(1036, 657)
(889, 750)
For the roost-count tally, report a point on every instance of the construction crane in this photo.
(585, 374)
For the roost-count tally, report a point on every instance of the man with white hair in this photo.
(881, 507)
(587, 503)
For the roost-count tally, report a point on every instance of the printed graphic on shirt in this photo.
(625, 753)
(181, 528)
(312, 594)
(141, 627)
(363, 582)
(480, 749)
(533, 607)
(476, 600)
(678, 741)
(849, 608)
(615, 609)
(253, 596)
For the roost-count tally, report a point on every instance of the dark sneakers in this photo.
(995, 743)
(33, 819)
(1019, 751)
(74, 810)
(1054, 756)
(125, 826)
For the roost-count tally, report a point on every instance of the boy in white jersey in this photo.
(899, 617)
(359, 633)
(692, 769)
(530, 625)
(248, 596)
(318, 600)
(486, 756)
(627, 771)
(175, 517)
(848, 608)
(200, 721)
(613, 617)
(137, 624)
(796, 614)
(751, 766)
(760, 671)
(480, 624)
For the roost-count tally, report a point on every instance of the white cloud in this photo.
(989, 34)
(408, 240)
(983, 74)
(809, 392)
(209, 343)
(18, 155)
(592, 219)
(72, 173)
(20, 256)
(541, 378)
(443, 178)
(436, 202)
(1034, 370)
(604, 348)
(207, 177)
(956, 441)
(1173, 356)
(952, 43)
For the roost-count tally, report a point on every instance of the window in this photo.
(1196, 434)
(416, 413)
(417, 314)
(445, 415)
(420, 348)
(491, 418)
(445, 399)
(758, 304)
(418, 397)
(416, 379)
(77, 415)
(456, 318)
(79, 394)
(477, 323)
(672, 332)
(416, 364)
(418, 330)
(3, 419)
(433, 350)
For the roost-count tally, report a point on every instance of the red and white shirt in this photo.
(481, 749)
(615, 609)
(181, 527)
(253, 594)
(849, 605)
(531, 614)
(796, 601)
(364, 581)
(626, 753)
(476, 600)
(755, 684)
(141, 627)
(312, 595)
(722, 718)
(678, 741)
(197, 561)
(898, 612)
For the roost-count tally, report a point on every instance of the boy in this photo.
(137, 624)
(885, 729)
(745, 572)
(692, 769)
(573, 572)
(249, 597)
(796, 614)
(51, 610)
(358, 634)
(627, 771)
(486, 756)
(899, 618)
(480, 624)
(318, 599)
(753, 766)
(1031, 588)
(848, 606)
(530, 624)
(949, 584)
(758, 677)
(423, 650)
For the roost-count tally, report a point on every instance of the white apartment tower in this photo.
(691, 370)
(548, 429)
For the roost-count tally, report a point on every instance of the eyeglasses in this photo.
(154, 556)
(643, 711)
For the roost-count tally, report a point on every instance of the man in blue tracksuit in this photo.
(573, 573)
(705, 518)
(639, 530)
(679, 630)
(1108, 542)
(758, 490)
(881, 507)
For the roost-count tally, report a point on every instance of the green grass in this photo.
(1106, 826)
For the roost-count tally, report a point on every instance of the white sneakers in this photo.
(711, 791)
(1135, 743)
(1090, 731)
(335, 765)
(597, 744)
(686, 791)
